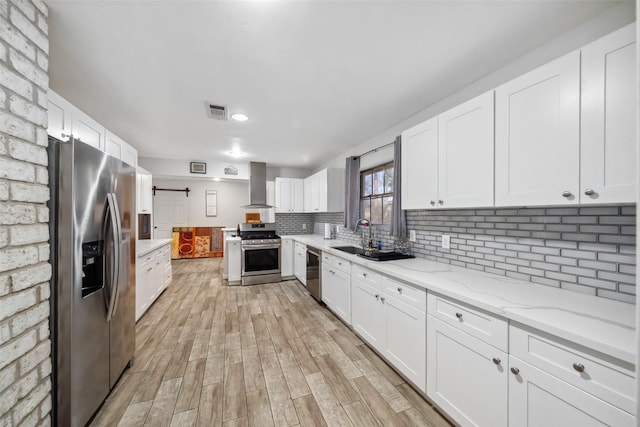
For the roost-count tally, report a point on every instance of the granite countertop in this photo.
(601, 324)
(143, 247)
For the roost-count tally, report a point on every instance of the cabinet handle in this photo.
(149, 269)
(459, 315)
(364, 274)
(382, 299)
(589, 192)
(64, 135)
(497, 360)
(515, 371)
(377, 296)
(432, 202)
(399, 290)
(578, 367)
(440, 202)
(566, 194)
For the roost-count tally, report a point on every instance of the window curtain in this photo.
(398, 216)
(352, 193)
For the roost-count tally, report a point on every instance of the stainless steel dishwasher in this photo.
(314, 271)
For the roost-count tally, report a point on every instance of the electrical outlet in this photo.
(446, 241)
(304, 226)
(412, 235)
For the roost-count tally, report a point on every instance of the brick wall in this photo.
(25, 348)
(587, 249)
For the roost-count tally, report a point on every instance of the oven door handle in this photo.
(265, 246)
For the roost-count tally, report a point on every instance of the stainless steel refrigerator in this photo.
(93, 289)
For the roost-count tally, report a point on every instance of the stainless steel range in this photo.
(260, 253)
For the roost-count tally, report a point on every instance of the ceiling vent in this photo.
(218, 112)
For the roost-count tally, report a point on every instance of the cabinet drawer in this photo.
(336, 263)
(341, 264)
(143, 260)
(605, 379)
(366, 276)
(158, 258)
(484, 326)
(410, 295)
(166, 252)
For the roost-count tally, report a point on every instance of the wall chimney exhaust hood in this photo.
(257, 186)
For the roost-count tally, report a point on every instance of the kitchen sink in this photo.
(350, 249)
(373, 256)
(385, 256)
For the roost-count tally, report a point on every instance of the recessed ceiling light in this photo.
(239, 117)
(236, 153)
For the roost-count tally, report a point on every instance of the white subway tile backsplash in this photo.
(619, 296)
(619, 258)
(588, 250)
(620, 240)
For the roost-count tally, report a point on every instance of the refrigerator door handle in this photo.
(118, 252)
(115, 273)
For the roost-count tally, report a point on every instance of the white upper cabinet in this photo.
(119, 149)
(419, 161)
(465, 154)
(87, 130)
(59, 116)
(324, 191)
(537, 138)
(297, 195)
(65, 120)
(609, 112)
(287, 252)
(144, 191)
(289, 195)
(447, 161)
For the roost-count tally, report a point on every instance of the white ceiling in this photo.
(314, 77)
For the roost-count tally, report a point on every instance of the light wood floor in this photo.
(267, 355)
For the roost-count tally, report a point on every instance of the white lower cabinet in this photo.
(153, 275)
(466, 377)
(484, 371)
(538, 399)
(234, 260)
(287, 252)
(300, 262)
(467, 362)
(395, 328)
(367, 313)
(336, 286)
(554, 382)
(406, 338)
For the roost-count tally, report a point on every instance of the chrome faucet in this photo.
(369, 244)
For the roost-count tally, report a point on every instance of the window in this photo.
(376, 193)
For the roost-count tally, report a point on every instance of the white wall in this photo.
(275, 172)
(231, 195)
(181, 168)
(610, 20)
